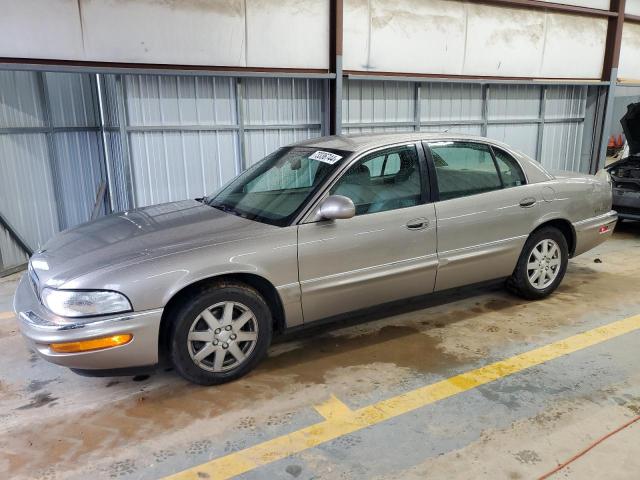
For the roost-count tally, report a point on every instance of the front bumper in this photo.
(627, 203)
(41, 328)
(588, 234)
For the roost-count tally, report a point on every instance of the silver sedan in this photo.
(313, 231)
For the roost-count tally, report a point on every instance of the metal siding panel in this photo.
(464, 129)
(162, 100)
(11, 255)
(170, 166)
(523, 137)
(450, 101)
(70, 99)
(562, 147)
(79, 171)
(20, 102)
(280, 101)
(367, 101)
(26, 190)
(568, 101)
(110, 100)
(511, 102)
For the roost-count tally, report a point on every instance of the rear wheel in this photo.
(220, 334)
(541, 266)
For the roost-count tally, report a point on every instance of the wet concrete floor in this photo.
(55, 424)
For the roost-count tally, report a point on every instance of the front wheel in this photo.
(220, 333)
(541, 266)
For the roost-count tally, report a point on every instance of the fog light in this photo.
(93, 344)
(603, 229)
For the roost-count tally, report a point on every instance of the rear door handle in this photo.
(417, 224)
(527, 202)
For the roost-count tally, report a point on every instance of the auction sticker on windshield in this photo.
(326, 157)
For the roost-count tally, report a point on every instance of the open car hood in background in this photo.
(631, 126)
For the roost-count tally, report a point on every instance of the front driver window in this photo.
(384, 180)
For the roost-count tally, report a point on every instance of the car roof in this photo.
(367, 141)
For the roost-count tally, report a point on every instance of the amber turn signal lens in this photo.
(93, 344)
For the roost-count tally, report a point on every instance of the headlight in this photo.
(78, 303)
(604, 175)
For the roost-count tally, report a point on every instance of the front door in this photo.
(485, 212)
(386, 252)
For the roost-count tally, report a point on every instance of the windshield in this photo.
(275, 189)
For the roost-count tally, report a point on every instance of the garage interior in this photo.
(110, 106)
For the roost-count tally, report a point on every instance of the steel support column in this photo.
(610, 69)
(335, 61)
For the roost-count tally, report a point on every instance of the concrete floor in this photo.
(55, 424)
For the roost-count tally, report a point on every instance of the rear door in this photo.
(386, 252)
(485, 211)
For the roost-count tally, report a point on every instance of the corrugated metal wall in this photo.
(50, 156)
(159, 138)
(511, 113)
(279, 111)
(151, 138)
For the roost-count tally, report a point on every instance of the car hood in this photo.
(631, 126)
(136, 235)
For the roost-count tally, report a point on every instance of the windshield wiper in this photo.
(224, 208)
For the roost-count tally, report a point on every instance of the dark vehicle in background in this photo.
(625, 173)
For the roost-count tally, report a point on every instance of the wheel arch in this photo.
(565, 227)
(263, 286)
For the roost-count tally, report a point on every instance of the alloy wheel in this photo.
(222, 336)
(543, 264)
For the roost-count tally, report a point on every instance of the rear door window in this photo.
(510, 171)
(464, 169)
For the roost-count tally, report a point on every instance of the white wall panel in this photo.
(412, 35)
(632, 7)
(574, 46)
(504, 41)
(629, 67)
(181, 32)
(53, 28)
(238, 33)
(288, 33)
(355, 49)
(601, 4)
(469, 38)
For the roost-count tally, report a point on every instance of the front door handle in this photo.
(417, 224)
(527, 202)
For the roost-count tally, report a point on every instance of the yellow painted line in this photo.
(6, 315)
(340, 420)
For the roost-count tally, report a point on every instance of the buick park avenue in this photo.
(313, 231)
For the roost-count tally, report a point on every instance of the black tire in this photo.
(184, 316)
(519, 284)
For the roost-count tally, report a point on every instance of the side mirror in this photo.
(336, 207)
